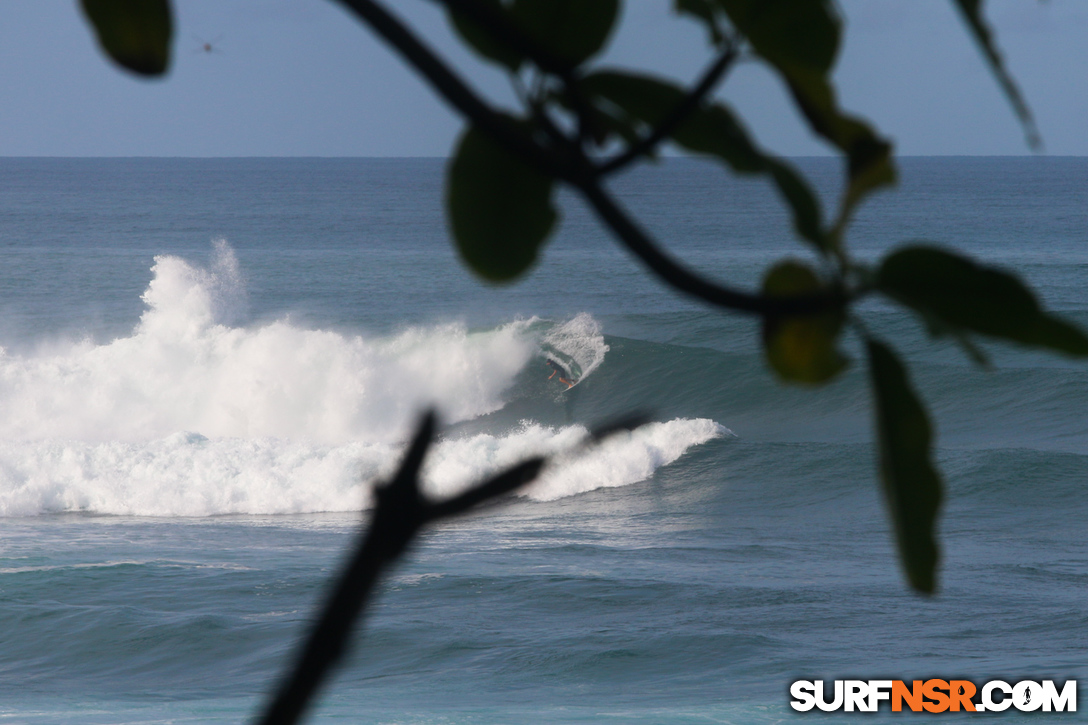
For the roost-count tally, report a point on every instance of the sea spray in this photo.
(187, 474)
(183, 369)
(194, 414)
(620, 460)
(577, 344)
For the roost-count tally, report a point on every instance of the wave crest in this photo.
(187, 474)
(194, 414)
(183, 369)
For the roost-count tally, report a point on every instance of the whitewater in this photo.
(192, 416)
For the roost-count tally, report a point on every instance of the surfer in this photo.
(558, 370)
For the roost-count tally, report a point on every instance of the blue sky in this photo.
(302, 78)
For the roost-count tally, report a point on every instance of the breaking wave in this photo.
(194, 414)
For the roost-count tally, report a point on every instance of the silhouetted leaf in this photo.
(573, 30)
(801, 349)
(800, 39)
(570, 30)
(135, 33)
(500, 210)
(911, 484)
(705, 12)
(712, 130)
(806, 210)
(715, 131)
(972, 13)
(640, 97)
(868, 157)
(963, 294)
(602, 127)
(502, 52)
(793, 34)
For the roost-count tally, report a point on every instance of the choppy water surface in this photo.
(205, 363)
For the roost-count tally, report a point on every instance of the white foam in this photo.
(194, 414)
(187, 474)
(183, 369)
(579, 341)
(620, 461)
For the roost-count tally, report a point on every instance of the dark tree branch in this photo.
(400, 511)
(449, 86)
(691, 101)
(509, 480)
(579, 173)
(498, 25)
(396, 519)
(686, 281)
(495, 22)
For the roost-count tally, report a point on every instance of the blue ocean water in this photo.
(205, 362)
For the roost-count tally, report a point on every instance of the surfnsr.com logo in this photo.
(934, 696)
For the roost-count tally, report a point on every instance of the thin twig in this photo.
(636, 240)
(679, 114)
(498, 25)
(495, 22)
(449, 86)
